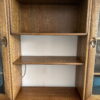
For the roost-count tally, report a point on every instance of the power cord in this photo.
(24, 71)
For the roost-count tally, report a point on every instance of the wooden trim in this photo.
(88, 30)
(94, 97)
(4, 30)
(14, 42)
(97, 74)
(92, 51)
(66, 34)
(83, 46)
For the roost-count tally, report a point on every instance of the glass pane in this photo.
(98, 34)
(97, 60)
(1, 74)
(96, 85)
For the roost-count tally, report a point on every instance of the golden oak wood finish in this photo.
(14, 46)
(4, 31)
(15, 69)
(49, 60)
(58, 34)
(94, 97)
(3, 97)
(48, 93)
(92, 51)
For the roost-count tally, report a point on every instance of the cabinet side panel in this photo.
(83, 45)
(81, 71)
(16, 70)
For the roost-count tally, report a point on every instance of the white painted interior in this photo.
(49, 75)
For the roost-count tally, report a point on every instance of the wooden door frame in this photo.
(5, 30)
(92, 51)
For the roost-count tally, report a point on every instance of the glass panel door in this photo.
(96, 85)
(96, 79)
(97, 59)
(93, 75)
(1, 73)
(98, 34)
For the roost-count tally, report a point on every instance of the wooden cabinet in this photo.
(53, 18)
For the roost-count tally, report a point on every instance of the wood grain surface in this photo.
(48, 93)
(3, 97)
(49, 60)
(5, 50)
(55, 34)
(83, 47)
(92, 51)
(14, 46)
(49, 18)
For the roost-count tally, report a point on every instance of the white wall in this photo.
(49, 75)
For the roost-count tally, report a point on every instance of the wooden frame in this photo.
(92, 51)
(15, 44)
(10, 80)
(4, 32)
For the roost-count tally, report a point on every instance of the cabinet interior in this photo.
(50, 17)
(54, 17)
